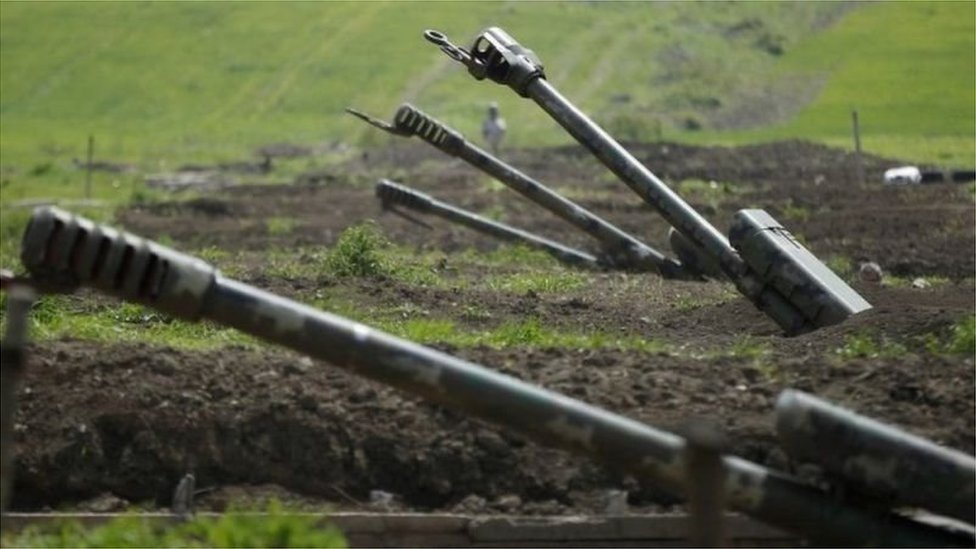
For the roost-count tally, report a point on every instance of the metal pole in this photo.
(858, 158)
(12, 362)
(88, 167)
(706, 479)
(390, 192)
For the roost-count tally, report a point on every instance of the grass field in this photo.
(173, 82)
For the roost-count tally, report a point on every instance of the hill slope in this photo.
(179, 80)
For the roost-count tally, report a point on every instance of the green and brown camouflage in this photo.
(619, 248)
(70, 250)
(391, 193)
(881, 461)
(812, 298)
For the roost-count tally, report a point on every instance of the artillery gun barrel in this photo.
(780, 276)
(880, 460)
(61, 247)
(395, 193)
(623, 249)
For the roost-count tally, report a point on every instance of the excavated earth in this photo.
(111, 426)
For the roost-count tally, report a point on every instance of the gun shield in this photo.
(782, 262)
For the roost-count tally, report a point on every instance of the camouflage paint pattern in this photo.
(880, 460)
(495, 55)
(544, 416)
(395, 193)
(621, 250)
(773, 253)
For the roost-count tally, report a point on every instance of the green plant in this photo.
(541, 282)
(865, 345)
(963, 337)
(275, 527)
(278, 226)
(794, 212)
(841, 265)
(358, 252)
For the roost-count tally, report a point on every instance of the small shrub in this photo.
(358, 252)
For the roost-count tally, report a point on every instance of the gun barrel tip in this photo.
(435, 36)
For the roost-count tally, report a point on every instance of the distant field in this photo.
(171, 82)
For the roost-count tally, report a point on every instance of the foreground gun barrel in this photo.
(390, 192)
(880, 460)
(779, 275)
(622, 249)
(60, 246)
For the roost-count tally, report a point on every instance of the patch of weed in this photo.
(794, 212)
(841, 265)
(59, 316)
(275, 527)
(866, 345)
(279, 226)
(539, 282)
(358, 252)
(963, 337)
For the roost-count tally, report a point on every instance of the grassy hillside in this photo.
(171, 82)
(909, 68)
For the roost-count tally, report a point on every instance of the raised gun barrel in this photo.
(620, 248)
(780, 276)
(878, 459)
(71, 250)
(394, 193)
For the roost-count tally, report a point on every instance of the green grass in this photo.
(57, 316)
(523, 334)
(906, 67)
(958, 339)
(159, 84)
(276, 528)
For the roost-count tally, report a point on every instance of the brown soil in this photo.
(130, 420)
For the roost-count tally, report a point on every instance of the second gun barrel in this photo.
(881, 460)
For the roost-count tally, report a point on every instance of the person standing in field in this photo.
(493, 128)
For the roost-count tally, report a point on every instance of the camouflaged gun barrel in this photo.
(779, 275)
(61, 248)
(395, 193)
(878, 459)
(621, 249)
